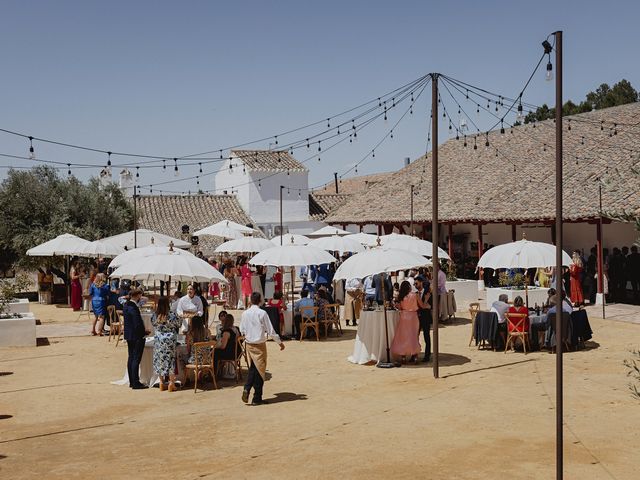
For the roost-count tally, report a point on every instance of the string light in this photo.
(175, 167)
(328, 123)
(69, 167)
(137, 172)
(475, 145)
(319, 147)
(164, 164)
(200, 165)
(259, 184)
(391, 134)
(276, 137)
(108, 159)
(486, 143)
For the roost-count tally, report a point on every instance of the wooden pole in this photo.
(434, 221)
(450, 226)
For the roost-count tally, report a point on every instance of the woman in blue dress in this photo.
(166, 324)
(99, 291)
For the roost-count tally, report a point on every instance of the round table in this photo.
(370, 344)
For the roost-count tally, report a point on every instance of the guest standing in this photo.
(166, 324)
(423, 288)
(278, 303)
(214, 285)
(189, 306)
(405, 340)
(134, 333)
(575, 270)
(255, 326)
(230, 273)
(100, 292)
(245, 274)
(353, 300)
(76, 286)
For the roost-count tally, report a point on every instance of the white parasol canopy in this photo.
(226, 229)
(290, 238)
(245, 244)
(100, 248)
(142, 252)
(415, 245)
(522, 254)
(65, 244)
(394, 236)
(328, 230)
(144, 238)
(171, 265)
(336, 243)
(376, 261)
(366, 239)
(292, 256)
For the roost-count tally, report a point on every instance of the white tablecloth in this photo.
(146, 318)
(147, 375)
(370, 344)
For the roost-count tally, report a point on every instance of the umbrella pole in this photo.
(526, 291)
(388, 363)
(68, 282)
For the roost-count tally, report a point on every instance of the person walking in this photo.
(134, 333)
(255, 326)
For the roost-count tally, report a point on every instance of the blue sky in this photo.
(175, 78)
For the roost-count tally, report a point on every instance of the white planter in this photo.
(19, 305)
(18, 332)
(536, 295)
(466, 291)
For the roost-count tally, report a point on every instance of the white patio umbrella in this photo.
(394, 236)
(289, 238)
(415, 245)
(143, 238)
(336, 243)
(292, 256)
(522, 254)
(374, 261)
(328, 230)
(65, 244)
(169, 266)
(100, 248)
(142, 252)
(226, 229)
(366, 239)
(245, 244)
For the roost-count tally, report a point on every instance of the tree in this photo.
(604, 97)
(38, 205)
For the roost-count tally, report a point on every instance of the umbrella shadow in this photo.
(454, 321)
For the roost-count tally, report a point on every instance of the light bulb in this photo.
(176, 172)
(549, 75)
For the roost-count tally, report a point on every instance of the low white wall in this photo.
(18, 332)
(20, 305)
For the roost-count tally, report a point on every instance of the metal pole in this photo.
(411, 225)
(135, 217)
(434, 220)
(335, 180)
(600, 253)
(281, 231)
(559, 285)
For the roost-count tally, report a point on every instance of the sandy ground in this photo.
(491, 415)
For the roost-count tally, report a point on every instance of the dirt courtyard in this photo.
(491, 415)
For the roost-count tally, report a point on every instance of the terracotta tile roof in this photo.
(353, 184)
(478, 186)
(167, 214)
(268, 160)
(321, 205)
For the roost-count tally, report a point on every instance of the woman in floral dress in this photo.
(166, 324)
(230, 273)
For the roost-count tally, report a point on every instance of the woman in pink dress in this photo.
(247, 288)
(405, 341)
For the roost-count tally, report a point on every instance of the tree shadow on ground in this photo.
(287, 397)
(5, 417)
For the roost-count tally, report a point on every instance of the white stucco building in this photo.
(255, 178)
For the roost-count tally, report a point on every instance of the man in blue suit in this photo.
(134, 333)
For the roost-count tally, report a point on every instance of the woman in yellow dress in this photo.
(542, 277)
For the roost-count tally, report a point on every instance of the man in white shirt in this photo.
(353, 300)
(189, 306)
(255, 326)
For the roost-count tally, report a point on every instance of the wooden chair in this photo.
(516, 323)
(116, 324)
(309, 319)
(239, 352)
(566, 329)
(202, 350)
(474, 308)
(331, 317)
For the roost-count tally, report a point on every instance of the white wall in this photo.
(264, 202)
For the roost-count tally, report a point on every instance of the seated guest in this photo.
(198, 332)
(298, 308)
(501, 307)
(566, 305)
(551, 293)
(278, 303)
(177, 295)
(328, 294)
(226, 348)
(203, 300)
(518, 307)
(322, 301)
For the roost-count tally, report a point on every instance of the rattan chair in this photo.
(516, 329)
(116, 323)
(239, 352)
(309, 320)
(331, 317)
(202, 350)
(474, 308)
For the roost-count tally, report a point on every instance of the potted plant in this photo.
(8, 292)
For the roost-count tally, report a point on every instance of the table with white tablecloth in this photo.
(370, 343)
(147, 375)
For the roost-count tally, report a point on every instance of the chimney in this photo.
(407, 161)
(335, 180)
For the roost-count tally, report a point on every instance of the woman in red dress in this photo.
(247, 288)
(76, 287)
(575, 271)
(405, 340)
(278, 302)
(214, 287)
(518, 307)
